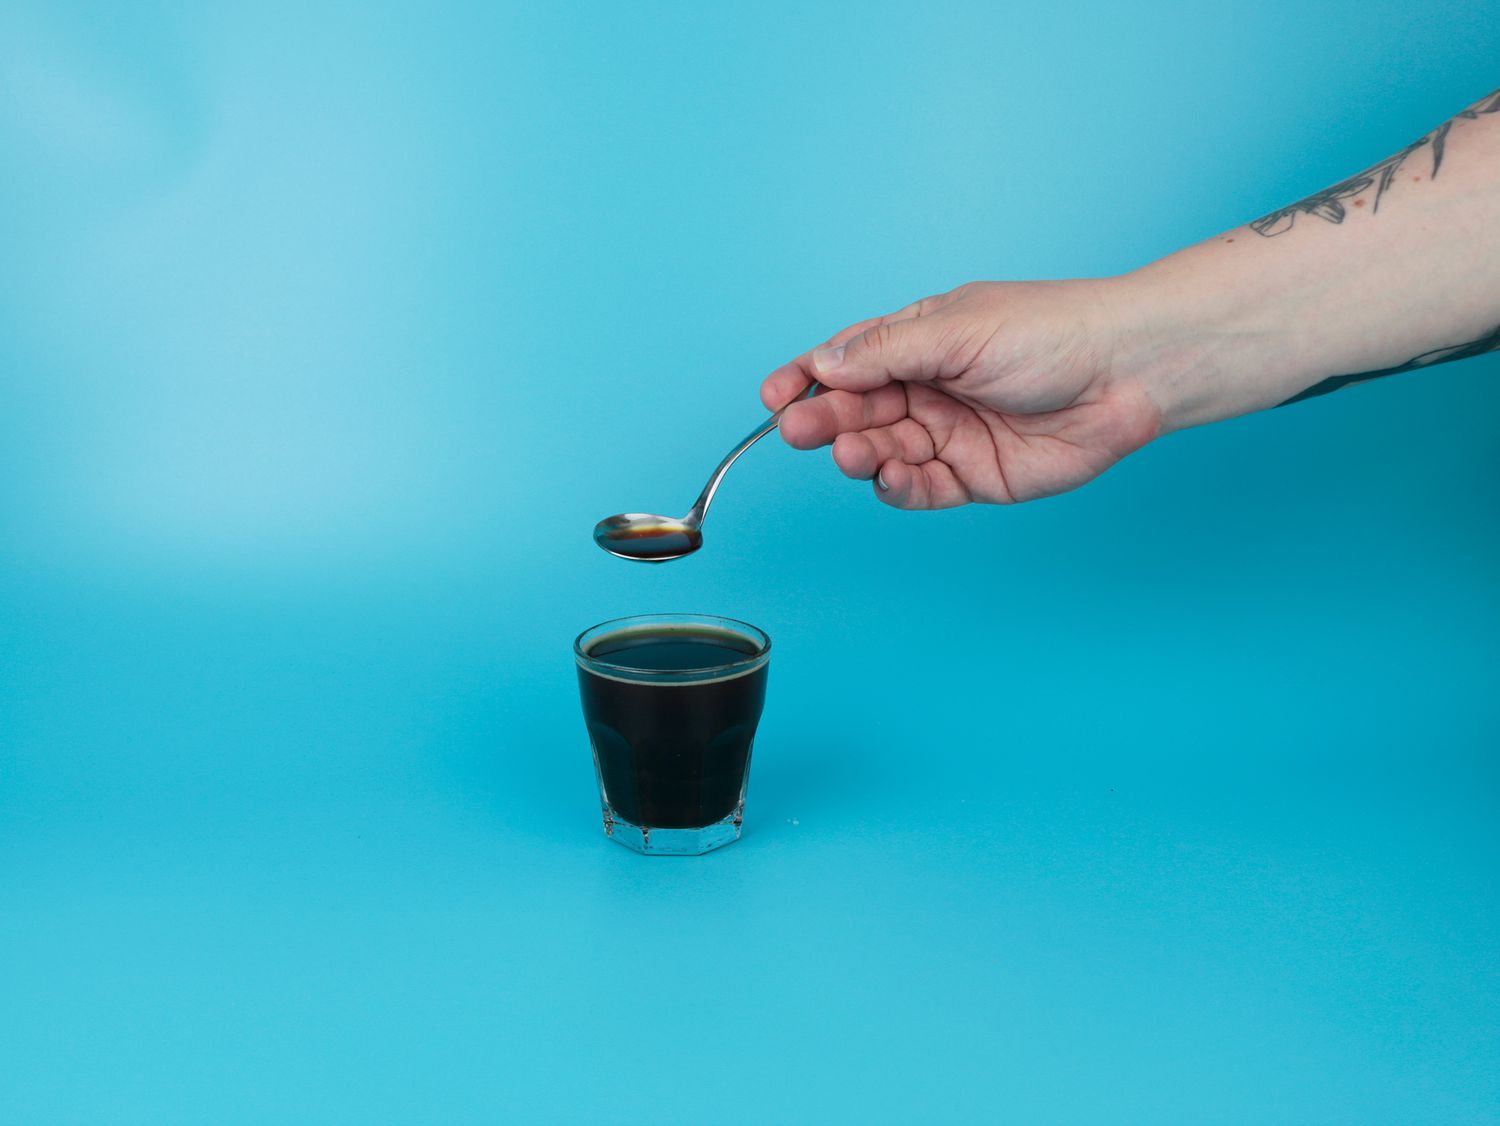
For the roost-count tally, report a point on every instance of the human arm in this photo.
(1002, 392)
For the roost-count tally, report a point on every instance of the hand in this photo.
(994, 393)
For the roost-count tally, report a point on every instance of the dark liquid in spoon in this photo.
(650, 543)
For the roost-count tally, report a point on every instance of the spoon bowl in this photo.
(646, 538)
(657, 539)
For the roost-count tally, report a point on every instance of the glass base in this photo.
(672, 842)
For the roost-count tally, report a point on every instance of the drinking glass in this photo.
(671, 702)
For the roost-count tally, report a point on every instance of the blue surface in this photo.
(326, 335)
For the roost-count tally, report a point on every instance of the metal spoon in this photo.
(657, 539)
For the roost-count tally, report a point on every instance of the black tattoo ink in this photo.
(1489, 342)
(1329, 203)
(1440, 134)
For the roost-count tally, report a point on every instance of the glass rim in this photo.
(745, 663)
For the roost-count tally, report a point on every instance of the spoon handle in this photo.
(705, 498)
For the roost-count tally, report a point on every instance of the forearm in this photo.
(1394, 269)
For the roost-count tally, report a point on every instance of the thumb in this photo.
(912, 349)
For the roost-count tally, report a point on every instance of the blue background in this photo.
(327, 333)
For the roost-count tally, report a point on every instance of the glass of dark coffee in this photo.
(671, 702)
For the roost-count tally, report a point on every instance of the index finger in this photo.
(792, 379)
(787, 382)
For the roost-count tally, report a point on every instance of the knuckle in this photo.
(878, 339)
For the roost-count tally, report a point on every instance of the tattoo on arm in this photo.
(1329, 203)
(1489, 342)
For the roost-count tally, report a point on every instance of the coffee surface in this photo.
(674, 650)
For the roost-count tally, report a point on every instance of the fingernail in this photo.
(880, 481)
(825, 359)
